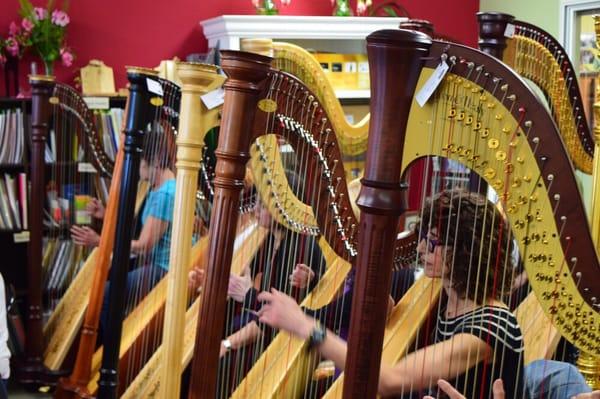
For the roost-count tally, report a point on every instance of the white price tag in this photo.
(97, 102)
(214, 98)
(432, 83)
(509, 31)
(86, 167)
(154, 87)
(22, 236)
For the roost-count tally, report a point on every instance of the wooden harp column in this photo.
(491, 32)
(245, 71)
(136, 122)
(395, 60)
(32, 370)
(196, 80)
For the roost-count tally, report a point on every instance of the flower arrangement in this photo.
(341, 7)
(43, 30)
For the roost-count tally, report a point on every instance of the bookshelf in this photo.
(14, 236)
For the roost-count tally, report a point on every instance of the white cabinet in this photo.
(334, 34)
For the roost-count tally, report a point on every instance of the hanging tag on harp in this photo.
(154, 87)
(432, 83)
(214, 98)
(509, 31)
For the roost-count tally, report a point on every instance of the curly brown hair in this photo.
(478, 241)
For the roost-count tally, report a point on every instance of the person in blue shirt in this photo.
(152, 247)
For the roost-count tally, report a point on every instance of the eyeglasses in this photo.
(431, 242)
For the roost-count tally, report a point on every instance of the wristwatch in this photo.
(317, 336)
(226, 344)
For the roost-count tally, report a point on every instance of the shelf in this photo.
(344, 35)
(347, 94)
(227, 30)
(13, 167)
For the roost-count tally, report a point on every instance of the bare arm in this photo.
(444, 360)
(242, 337)
(151, 232)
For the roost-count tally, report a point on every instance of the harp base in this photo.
(32, 373)
(68, 389)
(589, 366)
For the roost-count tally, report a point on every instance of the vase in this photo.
(342, 9)
(48, 67)
(268, 8)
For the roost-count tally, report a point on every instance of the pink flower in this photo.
(13, 29)
(12, 46)
(256, 3)
(60, 18)
(286, 2)
(361, 8)
(66, 57)
(27, 25)
(40, 13)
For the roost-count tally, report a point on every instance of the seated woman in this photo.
(153, 245)
(465, 242)
(282, 262)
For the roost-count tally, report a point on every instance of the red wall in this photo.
(141, 32)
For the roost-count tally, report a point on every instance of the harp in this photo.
(536, 55)
(511, 91)
(540, 221)
(63, 121)
(154, 104)
(352, 137)
(297, 125)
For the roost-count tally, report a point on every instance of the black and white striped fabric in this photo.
(499, 328)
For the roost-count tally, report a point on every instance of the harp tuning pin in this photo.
(556, 197)
(550, 177)
(311, 98)
(470, 65)
(528, 124)
(536, 140)
(504, 87)
(512, 97)
(479, 68)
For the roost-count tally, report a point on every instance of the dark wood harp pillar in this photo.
(395, 61)
(32, 370)
(492, 26)
(245, 71)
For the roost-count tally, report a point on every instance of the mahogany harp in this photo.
(68, 126)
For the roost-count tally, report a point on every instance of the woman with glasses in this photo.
(465, 242)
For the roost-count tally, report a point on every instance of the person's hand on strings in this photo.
(84, 235)
(239, 285)
(448, 389)
(301, 276)
(282, 312)
(195, 278)
(95, 208)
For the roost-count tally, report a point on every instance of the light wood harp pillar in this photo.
(195, 120)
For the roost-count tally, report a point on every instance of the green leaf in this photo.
(390, 11)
